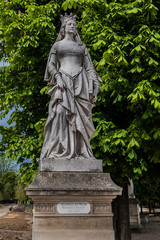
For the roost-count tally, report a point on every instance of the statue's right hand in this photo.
(60, 83)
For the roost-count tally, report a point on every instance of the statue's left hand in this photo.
(60, 82)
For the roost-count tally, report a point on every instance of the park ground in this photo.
(18, 226)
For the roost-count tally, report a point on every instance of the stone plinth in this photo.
(72, 205)
(70, 165)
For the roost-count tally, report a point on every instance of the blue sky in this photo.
(4, 64)
(4, 120)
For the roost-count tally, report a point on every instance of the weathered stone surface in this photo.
(70, 165)
(49, 223)
(48, 206)
(48, 182)
(74, 223)
(49, 189)
(74, 235)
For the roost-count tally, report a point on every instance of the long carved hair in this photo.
(61, 34)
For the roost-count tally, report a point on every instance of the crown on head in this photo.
(66, 17)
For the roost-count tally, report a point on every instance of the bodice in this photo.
(70, 56)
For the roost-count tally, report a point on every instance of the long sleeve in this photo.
(52, 66)
(94, 80)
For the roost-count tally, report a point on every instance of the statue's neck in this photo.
(69, 37)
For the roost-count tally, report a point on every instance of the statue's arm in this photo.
(52, 69)
(94, 80)
(52, 75)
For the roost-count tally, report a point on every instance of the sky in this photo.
(2, 64)
(4, 120)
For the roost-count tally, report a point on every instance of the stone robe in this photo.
(69, 127)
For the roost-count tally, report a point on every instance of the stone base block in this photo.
(74, 235)
(70, 165)
(72, 206)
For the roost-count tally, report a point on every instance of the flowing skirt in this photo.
(69, 127)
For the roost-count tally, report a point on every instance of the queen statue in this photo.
(74, 88)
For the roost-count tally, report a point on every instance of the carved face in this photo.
(70, 27)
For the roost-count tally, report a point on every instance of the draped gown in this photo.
(69, 127)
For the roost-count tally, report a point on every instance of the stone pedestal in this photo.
(72, 205)
(135, 222)
(70, 165)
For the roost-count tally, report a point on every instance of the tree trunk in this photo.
(121, 216)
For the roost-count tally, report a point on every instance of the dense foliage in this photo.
(20, 193)
(147, 188)
(7, 186)
(10, 189)
(123, 38)
(27, 32)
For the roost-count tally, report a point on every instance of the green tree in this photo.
(147, 188)
(20, 193)
(7, 165)
(8, 192)
(7, 179)
(27, 31)
(7, 186)
(123, 37)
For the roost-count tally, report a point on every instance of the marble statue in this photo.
(131, 189)
(74, 88)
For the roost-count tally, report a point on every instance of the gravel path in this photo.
(4, 209)
(151, 230)
(16, 226)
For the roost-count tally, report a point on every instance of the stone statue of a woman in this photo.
(74, 88)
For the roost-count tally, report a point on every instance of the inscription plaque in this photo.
(73, 207)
